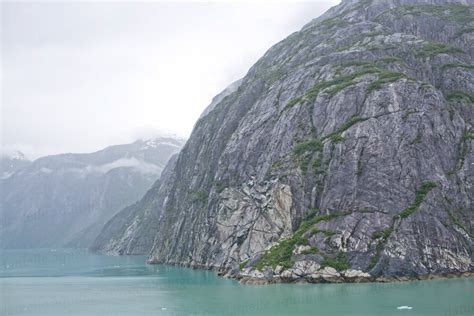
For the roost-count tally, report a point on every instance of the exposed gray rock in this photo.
(352, 136)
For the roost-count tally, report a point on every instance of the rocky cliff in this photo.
(344, 154)
(65, 200)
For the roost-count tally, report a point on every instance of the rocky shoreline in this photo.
(309, 272)
(350, 276)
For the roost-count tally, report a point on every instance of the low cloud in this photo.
(133, 163)
(83, 75)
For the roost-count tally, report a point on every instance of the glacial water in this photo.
(73, 282)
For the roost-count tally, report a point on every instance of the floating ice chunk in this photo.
(404, 307)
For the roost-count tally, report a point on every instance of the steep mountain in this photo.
(218, 98)
(345, 154)
(9, 164)
(64, 200)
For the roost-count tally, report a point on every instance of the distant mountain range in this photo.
(9, 164)
(64, 200)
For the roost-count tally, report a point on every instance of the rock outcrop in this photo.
(345, 154)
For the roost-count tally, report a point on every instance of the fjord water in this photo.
(76, 282)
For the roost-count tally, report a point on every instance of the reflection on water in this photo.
(75, 282)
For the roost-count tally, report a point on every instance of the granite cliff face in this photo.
(65, 200)
(345, 154)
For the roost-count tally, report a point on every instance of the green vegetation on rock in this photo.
(219, 186)
(417, 139)
(199, 196)
(459, 96)
(326, 232)
(334, 22)
(243, 263)
(310, 251)
(420, 196)
(337, 84)
(453, 12)
(468, 135)
(464, 145)
(306, 150)
(338, 262)
(340, 82)
(354, 62)
(456, 221)
(293, 102)
(465, 30)
(384, 78)
(457, 65)
(382, 233)
(336, 135)
(431, 49)
(281, 253)
(311, 145)
(389, 59)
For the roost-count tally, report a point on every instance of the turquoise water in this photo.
(67, 282)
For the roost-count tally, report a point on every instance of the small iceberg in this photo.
(404, 307)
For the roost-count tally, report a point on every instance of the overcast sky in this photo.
(79, 76)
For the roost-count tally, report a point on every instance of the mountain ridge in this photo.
(64, 199)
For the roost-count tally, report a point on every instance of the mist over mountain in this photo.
(10, 163)
(64, 200)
